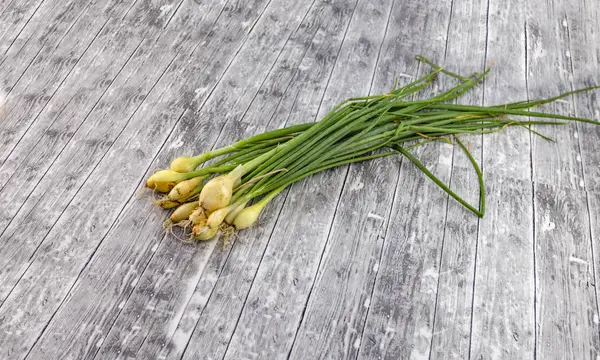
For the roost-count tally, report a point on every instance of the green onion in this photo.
(260, 167)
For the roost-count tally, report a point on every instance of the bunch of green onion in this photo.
(218, 196)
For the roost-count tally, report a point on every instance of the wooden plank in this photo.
(34, 88)
(566, 302)
(304, 70)
(335, 315)
(47, 25)
(133, 258)
(594, 213)
(504, 284)
(549, 74)
(278, 297)
(563, 253)
(77, 99)
(467, 33)
(408, 272)
(506, 153)
(78, 94)
(14, 17)
(54, 127)
(581, 20)
(451, 336)
(78, 232)
(503, 300)
(299, 103)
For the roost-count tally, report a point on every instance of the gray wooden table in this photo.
(369, 261)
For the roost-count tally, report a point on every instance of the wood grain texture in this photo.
(14, 16)
(47, 26)
(79, 230)
(582, 21)
(39, 203)
(274, 307)
(506, 153)
(549, 74)
(504, 273)
(503, 312)
(367, 261)
(566, 302)
(563, 251)
(594, 213)
(467, 33)
(67, 147)
(32, 90)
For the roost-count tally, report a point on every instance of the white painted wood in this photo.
(76, 139)
(503, 313)
(106, 91)
(14, 17)
(467, 33)
(504, 273)
(31, 90)
(275, 303)
(80, 229)
(254, 113)
(581, 21)
(565, 301)
(563, 252)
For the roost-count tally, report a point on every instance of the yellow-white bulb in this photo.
(233, 213)
(197, 216)
(217, 192)
(248, 216)
(183, 164)
(217, 217)
(203, 232)
(166, 203)
(182, 190)
(164, 180)
(183, 212)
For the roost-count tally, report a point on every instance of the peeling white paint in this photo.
(165, 10)
(547, 225)
(577, 260)
(2, 104)
(357, 186)
(375, 216)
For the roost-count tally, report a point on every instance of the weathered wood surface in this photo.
(366, 261)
